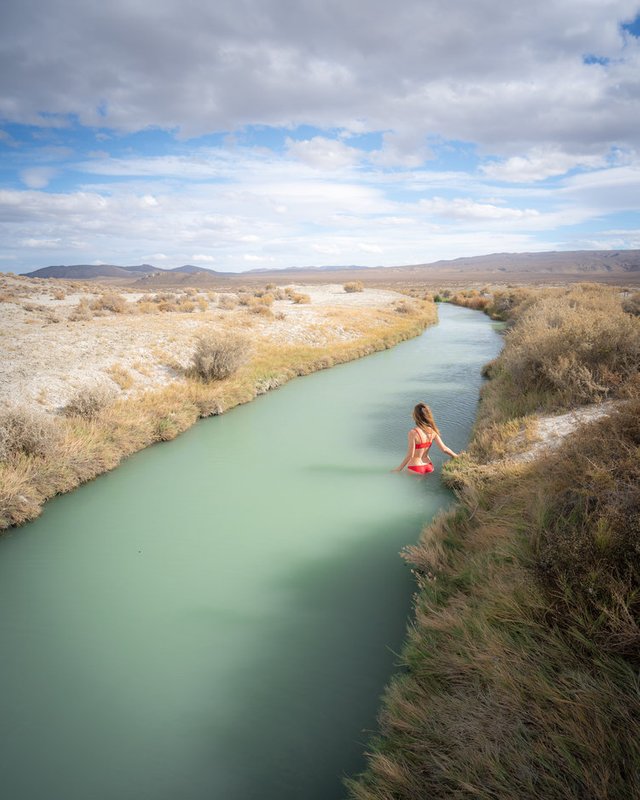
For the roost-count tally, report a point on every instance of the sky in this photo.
(244, 134)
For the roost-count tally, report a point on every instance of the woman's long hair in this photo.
(423, 417)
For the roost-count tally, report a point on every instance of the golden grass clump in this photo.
(300, 298)
(81, 312)
(26, 431)
(353, 286)
(89, 401)
(218, 356)
(110, 302)
(121, 376)
(260, 309)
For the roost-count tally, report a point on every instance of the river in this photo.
(216, 618)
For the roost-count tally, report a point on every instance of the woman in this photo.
(420, 440)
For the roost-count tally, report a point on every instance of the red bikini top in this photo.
(421, 445)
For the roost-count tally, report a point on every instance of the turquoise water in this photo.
(217, 618)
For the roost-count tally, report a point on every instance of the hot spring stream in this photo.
(216, 618)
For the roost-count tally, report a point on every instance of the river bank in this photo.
(62, 340)
(520, 665)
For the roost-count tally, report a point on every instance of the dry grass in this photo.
(227, 301)
(121, 376)
(521, 664)
(353, 286)
(82, 312)
(300, 298)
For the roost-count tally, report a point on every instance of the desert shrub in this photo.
(81, 312)
(217, 357)
(505, 304)
(186, 306)
(260, 310)
(145, 307)
(280, 315)
(89, 401)
(202, 304)
(578, 346)
(300, 298)
(227, 301)
(632, 304)
(58, 294)
(587, 542)
(404, 307)
(27, 431)
(353, 286)
(110, 302)
(244, 299)
(471, 300)
(167, 306)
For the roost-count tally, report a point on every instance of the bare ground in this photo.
(46, 355)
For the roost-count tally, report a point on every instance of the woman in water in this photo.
(420, 440)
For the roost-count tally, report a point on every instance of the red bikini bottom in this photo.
(422, 469)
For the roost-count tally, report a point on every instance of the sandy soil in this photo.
(552, 430)
(46, 356)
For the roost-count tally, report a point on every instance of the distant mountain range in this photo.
(589, 263)
(89, 271)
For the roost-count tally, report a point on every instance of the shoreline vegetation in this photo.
(519, 673)
(45, 454)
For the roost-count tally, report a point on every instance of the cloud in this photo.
(467, 71)
(540, 163)
(7, 139)
(37, 177)
(467, 209)
(323, 154)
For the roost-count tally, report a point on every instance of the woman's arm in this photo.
(444, 447)
(411, 449)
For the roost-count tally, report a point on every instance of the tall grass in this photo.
(521, 664)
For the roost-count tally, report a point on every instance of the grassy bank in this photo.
(77, 448)
(520, 671)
